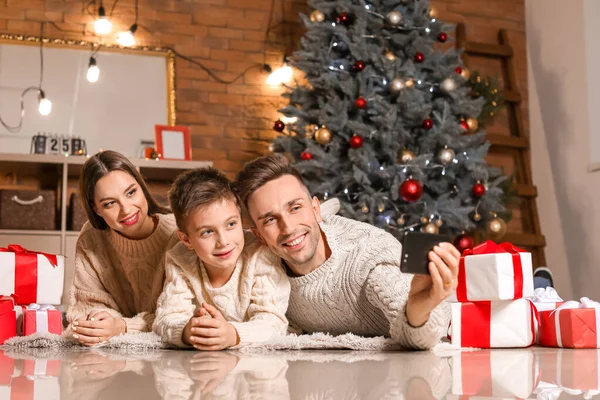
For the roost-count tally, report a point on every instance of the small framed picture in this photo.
(173, 142)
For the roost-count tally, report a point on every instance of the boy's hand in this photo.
(213, 333)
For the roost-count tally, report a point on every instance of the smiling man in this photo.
(345, 275)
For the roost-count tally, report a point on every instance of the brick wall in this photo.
(231, 124)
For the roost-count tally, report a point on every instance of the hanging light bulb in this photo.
(280, 75)
(126, 39)
(45, 105)
(93, 71)
(288, 120)
(102, 26)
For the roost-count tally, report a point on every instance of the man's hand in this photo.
(97, 328)
(208, 330)
(428, 291)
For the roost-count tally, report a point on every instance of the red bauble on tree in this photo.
(478, 189)
(343, 18)
(458, 70)
(464, 242)
(419, 57)
(279, 126)
(360, 103)
(464, 126)
(305, 155)
(358, 66)
(411, 190)
(442, 37)
(356, 142)
(428, 124)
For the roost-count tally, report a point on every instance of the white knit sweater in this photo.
(254, 300)
(360, 289)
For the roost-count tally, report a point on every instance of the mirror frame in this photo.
(137, 50)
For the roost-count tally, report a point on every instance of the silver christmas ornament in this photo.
(445, 156)
(448, 85)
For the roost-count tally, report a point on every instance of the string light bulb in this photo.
(45, 105)
(126, 39)
(280, 75)
(102, 26)
(93, 72)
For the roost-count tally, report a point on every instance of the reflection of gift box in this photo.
(41, 367)
(495, 373)
(36, 318)
(492, 324)
(9, 368)
(574, 325)
(578, 370)
(493, 271)
(31, 276)
(8, 319)
(25, 388)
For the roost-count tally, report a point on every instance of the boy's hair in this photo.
(198, 188)
(261, 171)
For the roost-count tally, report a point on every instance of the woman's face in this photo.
(120, 201)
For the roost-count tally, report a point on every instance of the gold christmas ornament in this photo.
(448, 85)
(476, 217)
(406, 156)
(424, 220)
(390, 55)
(323, 135)
(400, 221)
(271, 147)
(433, 13)
(396, 85)
(439, 222)
(465, 73)
(394, 18)
(381, 208)
(445, 156)
(364, 208)
(317, 16)
(496, 228)
(472, 123)
(409, 83)
(431, 228)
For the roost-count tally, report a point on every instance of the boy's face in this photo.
(215, 233)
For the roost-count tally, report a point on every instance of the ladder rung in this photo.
(524, 190)
(512, 97)
(525, 239)
(508, 141)
(485, 49)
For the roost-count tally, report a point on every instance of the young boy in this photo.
(222, 288)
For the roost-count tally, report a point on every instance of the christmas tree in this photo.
(386, 122)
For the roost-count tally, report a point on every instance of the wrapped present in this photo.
(493, 271)
(493, 324)
(26, 388)
(32, 277)
(546, 299)
(573, 324)
(8, 319)
(573, 370)
(36, 318)
(495, 374)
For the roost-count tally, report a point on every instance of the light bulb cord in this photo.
(17, 128)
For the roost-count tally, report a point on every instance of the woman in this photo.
(119, 259)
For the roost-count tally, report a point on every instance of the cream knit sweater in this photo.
(360, 289)
(254, 300)
(119, 275)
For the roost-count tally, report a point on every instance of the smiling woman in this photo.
(119, 260)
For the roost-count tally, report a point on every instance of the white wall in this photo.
(564, 117)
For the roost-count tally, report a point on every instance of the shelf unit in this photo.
(58, 171)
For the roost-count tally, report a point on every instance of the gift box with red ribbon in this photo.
(575, 325)
(495, 373)
(546, 299)
(493, 324)
(32, 277)
(8, 319)
(493, 271)
(36, 318)
(574, 370)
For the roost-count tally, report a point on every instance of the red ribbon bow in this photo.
(490, 247)
(26, 271)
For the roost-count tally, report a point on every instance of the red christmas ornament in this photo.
(305, 155)
(458, 70)
(360, 103)
(464, 242)
(343, 18)
(478, 189)
(358, 66)
(464, 125)
(442, 37)
(428, 124)
(278, 126)
(419, 57)
(356, 142)
(411, 190)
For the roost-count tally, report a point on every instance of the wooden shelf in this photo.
(29, 232)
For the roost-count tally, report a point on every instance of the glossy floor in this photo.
(497, 374)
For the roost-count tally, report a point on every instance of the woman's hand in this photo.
(97, 328)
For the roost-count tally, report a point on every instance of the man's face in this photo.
(287, 220)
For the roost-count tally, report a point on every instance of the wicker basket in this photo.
(28, 209)
(77, 215)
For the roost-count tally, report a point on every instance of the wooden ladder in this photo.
(516, 144)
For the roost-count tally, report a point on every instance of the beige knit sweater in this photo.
(120, 275)
(360, 289)
(254, 300)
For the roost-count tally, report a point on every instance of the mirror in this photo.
(134, 91)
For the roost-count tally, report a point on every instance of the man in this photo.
(345, 275)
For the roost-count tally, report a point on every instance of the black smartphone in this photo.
(415, 247)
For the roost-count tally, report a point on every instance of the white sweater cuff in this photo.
(253, 331)
(175, 332)
(424, 337)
